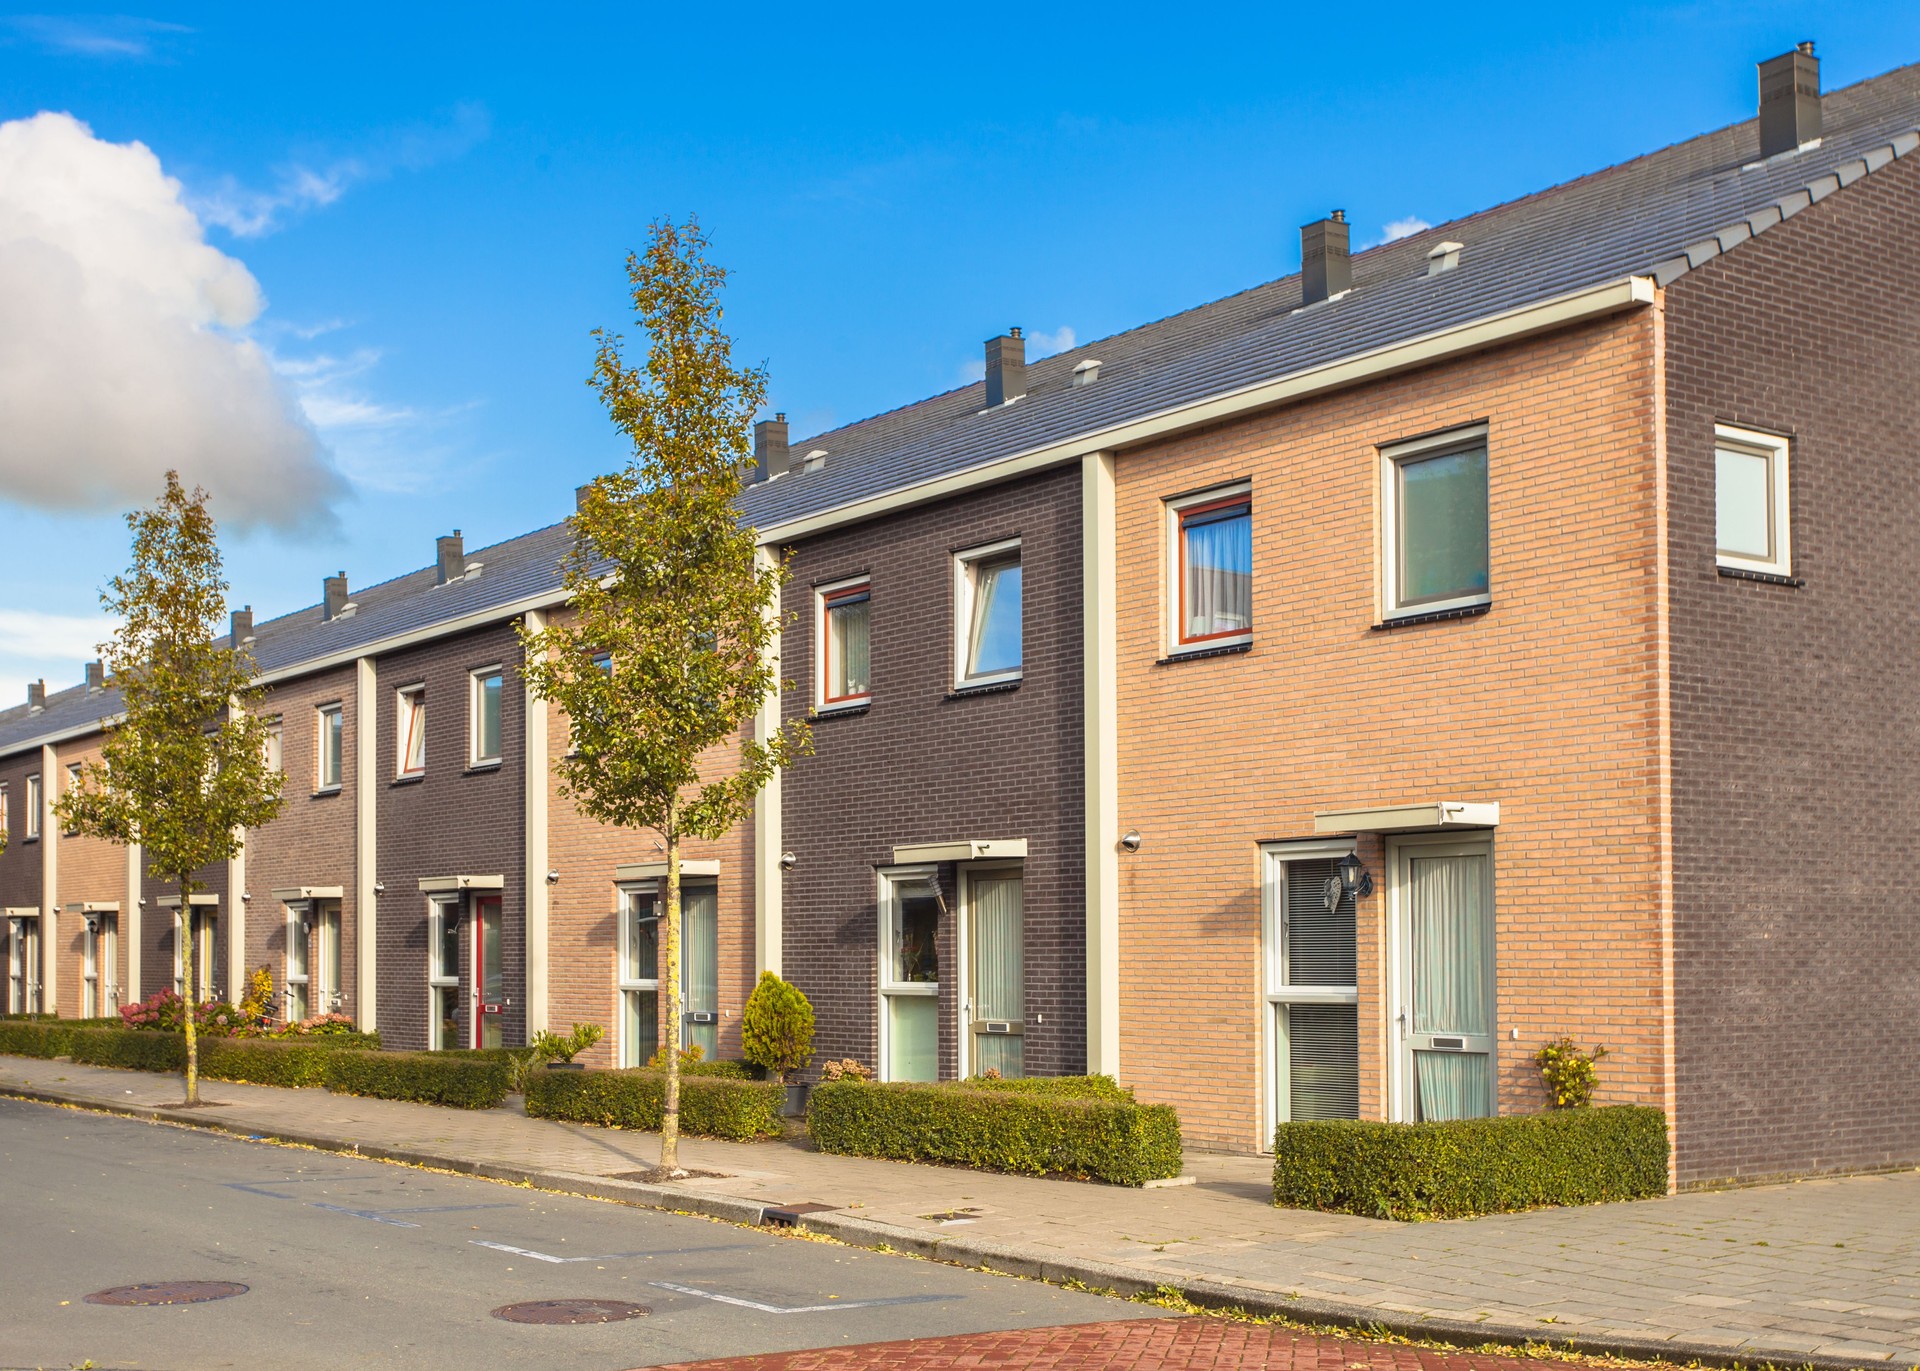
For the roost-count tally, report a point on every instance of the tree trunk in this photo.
(193, 1041)
(670, 1109)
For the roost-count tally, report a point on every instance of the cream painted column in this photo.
(130, 926)
(1100, 743)
(50, 776)
(366, 913)
(535, 810)
(237, 924)
(767, 908)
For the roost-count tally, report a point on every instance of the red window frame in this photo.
(1243, 500)
(844, 594)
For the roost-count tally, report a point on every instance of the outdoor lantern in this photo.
(1355, 880)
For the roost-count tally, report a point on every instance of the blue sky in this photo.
(435, 205)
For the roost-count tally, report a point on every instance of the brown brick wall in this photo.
(919, 766)
(1546, 704)
(1796, 773)
(89, 870)
(158, 934)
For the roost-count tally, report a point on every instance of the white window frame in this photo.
(204, 948)
(98, 954)
(1777, 452)
(474, 696)
(890, 879)
(407, 701)
(34, 804)
(965, 873)
(1400, 1104)
(276, 756)
(1276, 992)
(1176, 569)
(298, 914)
(1391, 457)
(821, 593)
(963, 592)
(71, 783)
(321, 714)
(440, 908)
(325, 950)
(6, 818)
(631, 891)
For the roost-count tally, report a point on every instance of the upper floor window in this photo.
(484, 744)
(1751, 524)
(1211, 537)
(1434, 515)
(987, 614)
(33, 805)
(332, 722)
(72, 788)
(844, 632)
(270, 747)
(6, 824)
(411, 737)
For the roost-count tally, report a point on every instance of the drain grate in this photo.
(167, 1292)
(570, 1311)
(789, 1215)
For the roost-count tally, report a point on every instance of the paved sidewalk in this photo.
(1821, 1271)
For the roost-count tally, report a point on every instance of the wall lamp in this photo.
(788, 861)
(553, 876)
(246, 897)
(93, 923)
(379, 887)
(1130, 840)
(1355, 879)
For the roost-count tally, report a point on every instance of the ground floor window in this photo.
(23, 966)
(99, 987)
(443, 973)
(642, 908)
(206, 932)
(299, 1003)
(911, 908)
(326, 928)
(1312, 985)
(639, 975)
(1444, 929)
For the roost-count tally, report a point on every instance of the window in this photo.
(99, 993)
(1211, 538)
(206, 932)
(642, 906)
(332, 737)
(639, 974)
(6, 825)
(299, 1002)
(987, 617)
(443, 973)
(1434, 516)
(484, 708)
(327, 999)
(910, 910)
(33, 806)
(73, 788)
(846, 658)
(1751, 523)
(23, 966)
(271, 747)
(412, 737)
(1312, 985)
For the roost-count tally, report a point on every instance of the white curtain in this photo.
(700, 955)
(1453, 1085)
(1451, 942)
(999, 980)
(1219, 575)
(848, 671)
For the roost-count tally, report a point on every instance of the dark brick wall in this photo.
(452, 821)
(158, 934)
(20, 863)
(919, 766)
(1796, 766)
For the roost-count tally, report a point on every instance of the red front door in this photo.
(489, 979)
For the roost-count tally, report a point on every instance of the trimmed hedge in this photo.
(35, 1037)
(428, 1077)
(132, 1049)
(1471, 1166)
(1060, 1087)
(1000, 1126)
(711, 1105)
(292, 1063)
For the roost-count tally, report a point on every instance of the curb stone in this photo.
(1011, 1259)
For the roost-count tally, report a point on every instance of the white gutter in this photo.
(1628, 292)
(379, 647)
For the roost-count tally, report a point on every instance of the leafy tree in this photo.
(184, 771)
(667, 654)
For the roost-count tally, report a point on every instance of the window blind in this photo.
(1320, 941)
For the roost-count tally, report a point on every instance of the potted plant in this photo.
(776, 1034)
(559, 1052)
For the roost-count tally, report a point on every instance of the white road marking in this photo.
(798, 1309)
(605, 1257)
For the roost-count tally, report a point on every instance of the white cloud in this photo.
(113, 36)
(36, 646)
(1404, 228)
(1043, 344)
(123, 349)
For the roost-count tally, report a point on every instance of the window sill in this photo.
(479, 767)
(965, 692)
(1196, 653)
(847, 710)
(1771, 578)
(412, 778)
(31, 838)
(324, 791)
(1433, 616)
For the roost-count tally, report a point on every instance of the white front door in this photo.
(993, 1011)
(1444, 956)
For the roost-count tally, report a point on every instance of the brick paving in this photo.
(1822, 1270)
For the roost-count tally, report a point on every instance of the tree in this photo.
(184, 771)
(776, 1027)
(667, 653)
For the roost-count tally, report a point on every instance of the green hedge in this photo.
(1059, 1087)
(712, 1106)
(293, 1062)
(34, 1037)
(1471, 1166)
(1027, 1129)
(429, 1077)
(132, 1049)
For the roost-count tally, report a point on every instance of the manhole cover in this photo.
(168, 1292)
(570, 1311)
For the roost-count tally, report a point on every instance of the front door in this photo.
(995, 1007)
(23, 966)
(99, 988)
(1445, 1021)
(489, 979)
(700, 969)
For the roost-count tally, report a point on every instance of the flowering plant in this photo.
(164, 1011)
(319, 1026)
(846, 1069)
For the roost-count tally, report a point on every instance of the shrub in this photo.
(256, 1006)
(710, 1106)
(265, 1061)
(1569, 1073)
(327, 1026)
(550, 1046)
(776, 1027)
(136, 1050)
(1029, 1129)
(1471, 1166)
(1060, 1087)
(35, 1037)
(846, 1069)
(164, 1012)
(461, 1081)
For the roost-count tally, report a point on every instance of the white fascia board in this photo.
(1628, 292)
(657, 871)
(439, 885)
(1429, 817)
(480, 618)
(965, 850)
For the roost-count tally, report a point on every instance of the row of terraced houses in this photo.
(1304, 706)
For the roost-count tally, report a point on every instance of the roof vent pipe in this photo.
(37, 695)
(333, 596)
(1789, 101)
(451, 554)
(96, 677)
(240, 626)
(1006, 368)
(1326, 266)
(769, 447)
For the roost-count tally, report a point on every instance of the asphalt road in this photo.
(352, 1263)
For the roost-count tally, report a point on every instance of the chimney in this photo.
(1789, 100)
(239, 628)
(580, 496)
(1006, 368)
(333, 597)
(769, 447)
(37, 695)
(1326, 268)
(96, 677)
(451, 553)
